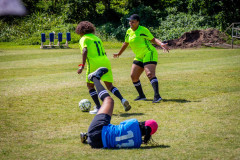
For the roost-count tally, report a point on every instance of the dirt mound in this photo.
(197, 38)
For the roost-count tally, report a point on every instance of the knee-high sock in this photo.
(154, 83)
(138, 86)
(116, 92)
(94, 95)
(102, 92)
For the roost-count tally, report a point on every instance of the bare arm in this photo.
(84, 57)
(123, 48)
(159, 43)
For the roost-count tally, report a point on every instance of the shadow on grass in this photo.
(171, 100)
(155, 146)
(143, 147)
(128, 114)
(176, 100)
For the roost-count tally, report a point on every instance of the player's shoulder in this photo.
(142, 28)
(133, 120)
(90, 37)
(129, 30)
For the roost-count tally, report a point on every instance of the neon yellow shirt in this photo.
(94, 46)
(139, 41)
(96, 56)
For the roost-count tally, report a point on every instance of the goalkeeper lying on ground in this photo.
(102, 134)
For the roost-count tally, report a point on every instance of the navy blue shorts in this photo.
(95, 130)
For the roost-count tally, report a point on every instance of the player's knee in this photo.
(150, 75)
(134, 78)
(90, 87)
(109, 87)
(109, 99)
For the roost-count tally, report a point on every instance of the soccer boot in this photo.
(126, 105)
(156, 99)
(139, 98)
(83, 137)
(94, 111)
(98, 73)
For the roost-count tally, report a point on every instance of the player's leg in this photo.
(117, 93)
(150, 63)
(150, 70)
(94, 95)
(136, 71)
(103, 118)
(107, 105)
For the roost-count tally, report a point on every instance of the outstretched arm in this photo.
(159, 43)
(84, 57)
(124, 46)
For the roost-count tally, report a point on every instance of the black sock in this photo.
(102, 92)
(116, 92)
(138, 86)
(94, 95)
(154, 83)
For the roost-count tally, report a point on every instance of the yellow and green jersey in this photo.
(96, 56)
(139, 41)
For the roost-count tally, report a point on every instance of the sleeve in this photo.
(129, 121)
(127, 37)
(83, 43)
(149, 34)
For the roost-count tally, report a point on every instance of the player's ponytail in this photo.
(146, 132)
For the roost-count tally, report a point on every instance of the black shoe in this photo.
(157, 99)
(98, 73)
(140, 98)
(83, 137)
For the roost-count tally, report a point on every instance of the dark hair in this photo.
(85, 27)
(145, 130)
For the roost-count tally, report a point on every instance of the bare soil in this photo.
(198, 38)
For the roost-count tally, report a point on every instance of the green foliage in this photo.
(29, 30)
(223, 12)
(176, 24)
(167, 19)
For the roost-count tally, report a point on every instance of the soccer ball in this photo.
(85, 105)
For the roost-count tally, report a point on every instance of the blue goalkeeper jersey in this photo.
(125, 135)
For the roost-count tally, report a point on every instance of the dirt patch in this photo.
(198, 38)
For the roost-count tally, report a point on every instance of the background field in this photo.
(198, 117)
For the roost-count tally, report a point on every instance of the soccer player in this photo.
(139, 38)
(102, 134)
(95, 55)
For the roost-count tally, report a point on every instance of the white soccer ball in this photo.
(85, 105)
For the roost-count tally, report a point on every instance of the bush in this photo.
(176, 24)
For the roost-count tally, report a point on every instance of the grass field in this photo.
(199, 117)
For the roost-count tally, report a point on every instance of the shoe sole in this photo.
(90, 75)
(127, 106)
(92, 112)
(83, 139)
(140, 99)
(157, 100)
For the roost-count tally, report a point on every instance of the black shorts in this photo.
(95, 130)
(141, 64)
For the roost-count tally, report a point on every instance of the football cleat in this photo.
(83, 137)
(94, 111)
(139, 98)
(126, 105)
(157, 99)
(98, 73)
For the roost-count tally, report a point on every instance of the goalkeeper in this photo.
(102, 134)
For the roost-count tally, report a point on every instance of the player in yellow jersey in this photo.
(94, 55)
(139, 38)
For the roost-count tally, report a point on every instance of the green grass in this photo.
(198, 117)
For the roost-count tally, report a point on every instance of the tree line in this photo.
(109, 16)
